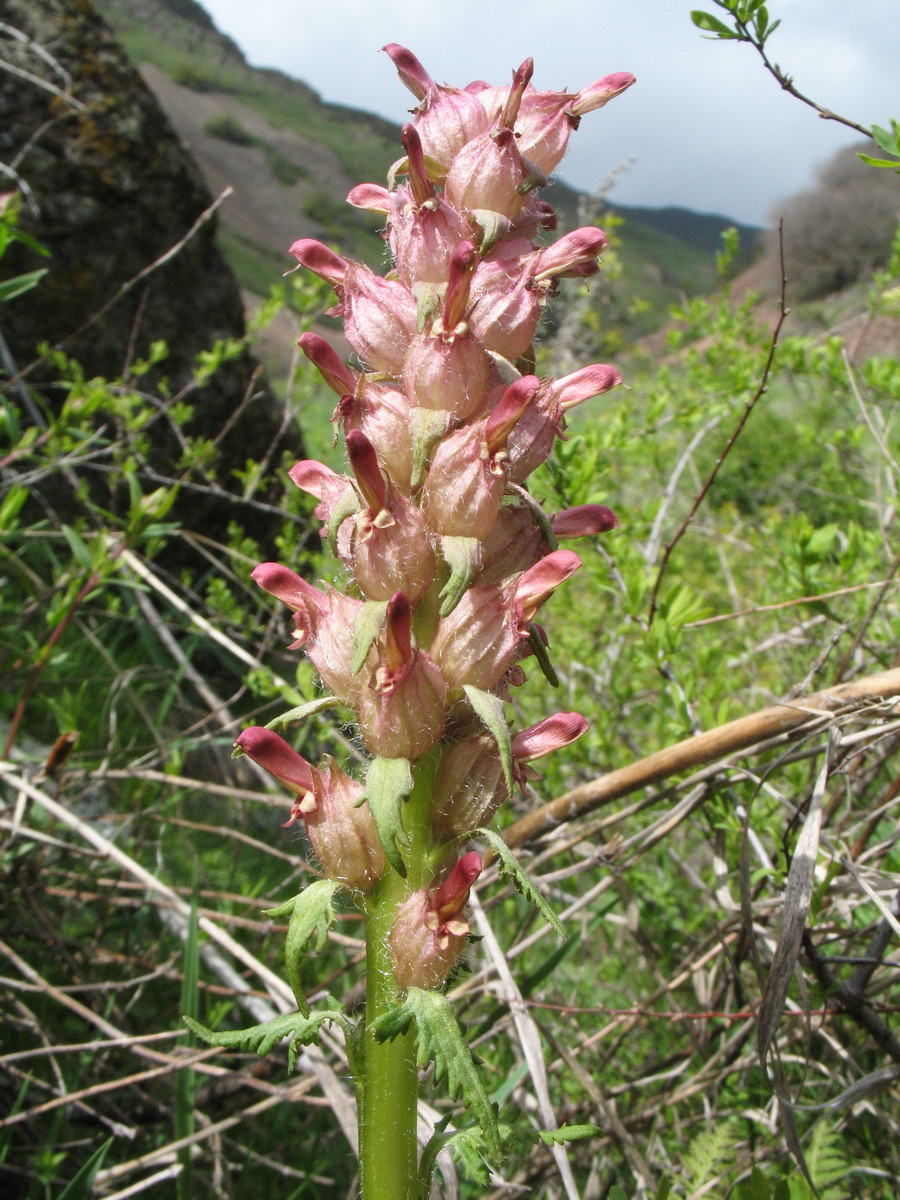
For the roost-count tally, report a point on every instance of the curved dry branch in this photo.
(697, 751)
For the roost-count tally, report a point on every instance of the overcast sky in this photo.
(708, 127)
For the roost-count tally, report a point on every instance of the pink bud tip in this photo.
(274, 755)
(554, 732)
(410, 70)
(285, 585)
(338, 376)
(398, 627)
(452, 894)
(364, 462)
(370, 196)
(317, 258)
(584, 521)
(539, 581)
(582, 385)
(510, 407)
(601, 92)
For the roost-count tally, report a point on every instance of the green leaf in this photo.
(616, 1193)
(299, 1028)
(10, 288)
(463, 556)
(662, 1192)
(568, 1133)
(713, 25)
(491, 710)
(294, 716)
(345, 507)
(880, 162)
(889, 141)
(754, 1188)
(511, 870)
(78, 546)
(367, 625)
(312, 915)
(543, 658)
(81, 1185)
(440, 1040)
(387, 782)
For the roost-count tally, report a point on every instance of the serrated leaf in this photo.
(463, 556)
(568, 1133)
(511, 870)
(491, 710)
(440, 1040)
(260, 1039)
(392, 1023)
(312, 915)
(388, 781)
(367, 625)
(712, 25)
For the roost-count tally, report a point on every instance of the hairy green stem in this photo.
(388, 1147)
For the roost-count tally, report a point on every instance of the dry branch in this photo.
(704, 748)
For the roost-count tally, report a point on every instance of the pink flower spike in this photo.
(584, 521)
(317, 258)
(601, 92)
(372, 197)
(410, 70)
(584, 384)
(336, 374)
(554, 732)
(274, 755)
(540, 581)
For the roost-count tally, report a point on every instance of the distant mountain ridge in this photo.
(291, 158)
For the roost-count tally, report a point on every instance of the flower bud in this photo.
(401, 711)
(389, 547)
(552, 733)
(333, 370)
(429, 932)
(341, 831)
(477, 643)
(584, 521)
(379, 318)
(469, 787)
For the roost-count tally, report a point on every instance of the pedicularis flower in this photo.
(448, 558)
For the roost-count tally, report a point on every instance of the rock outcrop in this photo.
(114, 191)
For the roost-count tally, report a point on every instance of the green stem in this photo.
(388, 1148)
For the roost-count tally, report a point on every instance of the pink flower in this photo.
(341, 831)
(402, 710)
(429, 932)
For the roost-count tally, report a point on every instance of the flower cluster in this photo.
(449, 556)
